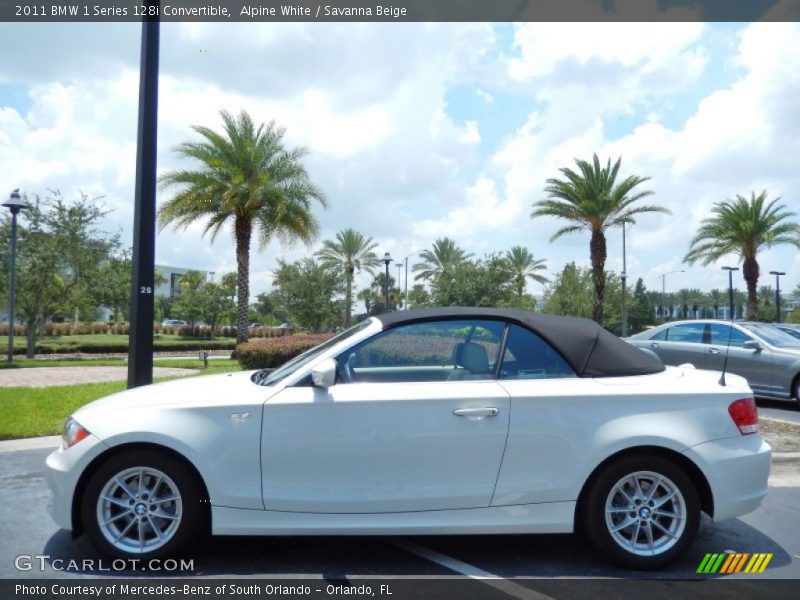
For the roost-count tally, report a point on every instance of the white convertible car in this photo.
(439, 421)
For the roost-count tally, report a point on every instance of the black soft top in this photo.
(589, 349)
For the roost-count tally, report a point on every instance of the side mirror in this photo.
(324, 374)
(751, 345)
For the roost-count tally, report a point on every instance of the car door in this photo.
(753, 365)
(679, 344)
(416, 421)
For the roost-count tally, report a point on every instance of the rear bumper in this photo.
(737, 469)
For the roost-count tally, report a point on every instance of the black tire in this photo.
(192, 505)
(665, 548)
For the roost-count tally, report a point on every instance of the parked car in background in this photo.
(790, 328)
(174, 323)
(764, 354)
(437, 421)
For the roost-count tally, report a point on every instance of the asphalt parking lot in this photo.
(28, 530)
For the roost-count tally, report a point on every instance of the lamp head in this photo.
(14, 202)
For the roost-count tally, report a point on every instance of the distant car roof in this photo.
(589, 349)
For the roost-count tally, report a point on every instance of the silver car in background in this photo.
(766, 356)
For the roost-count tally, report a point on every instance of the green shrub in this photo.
(272, 352)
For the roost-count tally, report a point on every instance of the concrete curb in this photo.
(35, 443)
(782, 457)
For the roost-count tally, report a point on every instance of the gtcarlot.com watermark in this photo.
(45, 562)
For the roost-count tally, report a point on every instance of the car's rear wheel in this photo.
(642, 512)
(142, 505)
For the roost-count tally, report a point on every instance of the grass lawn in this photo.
(108, 342)
(28, 412)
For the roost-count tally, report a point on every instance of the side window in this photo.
(528, 356)
(430, 351)
(720, 333)
(691, 333)
(661, 335)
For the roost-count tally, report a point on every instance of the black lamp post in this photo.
(777, 294)
(386, 260)
(14, 204)
(664, 290)
(730, 271)
(624, 278)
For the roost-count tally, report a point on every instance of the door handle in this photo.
(713, 351)
(476, 413)
(654, 345)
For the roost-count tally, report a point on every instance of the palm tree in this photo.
(443, 257)
(246, 177)
(743, 227)
(350, 252)
(593, 201)
(717, 298)
(525, 266)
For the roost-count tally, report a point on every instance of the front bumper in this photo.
(64, 469)
(737, 469)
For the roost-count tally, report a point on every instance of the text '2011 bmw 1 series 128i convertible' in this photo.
(437, 421)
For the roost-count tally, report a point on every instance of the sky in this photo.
(423, 130)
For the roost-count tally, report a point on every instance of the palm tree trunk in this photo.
(244, 230)
(597, 252)
(348, 296)
(750, 272)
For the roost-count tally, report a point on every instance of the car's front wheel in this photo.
(142, 505)
(642, 512)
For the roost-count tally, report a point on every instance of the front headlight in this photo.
(73, 433)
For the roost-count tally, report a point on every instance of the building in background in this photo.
(171, 288)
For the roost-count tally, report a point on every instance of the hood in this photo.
(189, 392)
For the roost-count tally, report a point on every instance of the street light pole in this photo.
(777, 294)
(664, 288)
(405, 260)
(730, 271)
(14, 205)
(399, 266)
(386, 260)
(624, 280)
(140, 349)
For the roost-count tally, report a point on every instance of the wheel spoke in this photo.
(622, 491)
(666, 531)
(622, 525)
(116, 517)
(668, 514)
(164, 515)
(153, 527)
(635, 537)
(125, 530)
(121, 483)
(619, 509)
(638, 488)
(154, 489)
(648, 531)
(141, 534)
(142, 488)
(116, 501)
(653, 489)
(661, 501)
(162, 500)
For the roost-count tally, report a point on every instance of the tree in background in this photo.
(443, 257)
(524, 266)
(593, 201)
(486, 282)
(247, 178)
(743, 227)
(350, 252)
(418, 297)
(215, 303)
(188, 305)
(378, 305)
(114, 283)
(641, 313)
(309, 292)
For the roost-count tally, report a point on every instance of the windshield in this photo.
(309, 355)
(772, 335)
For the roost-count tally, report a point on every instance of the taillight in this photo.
(745, 415)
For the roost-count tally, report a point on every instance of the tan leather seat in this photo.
(472, 359)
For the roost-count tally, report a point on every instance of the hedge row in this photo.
(67, 329)
(273, 352)
(44, 347)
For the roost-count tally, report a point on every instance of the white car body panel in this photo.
(382, 447)
(378, 458)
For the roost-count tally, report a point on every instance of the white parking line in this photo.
(504, 585)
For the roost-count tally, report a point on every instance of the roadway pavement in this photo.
(783, 410)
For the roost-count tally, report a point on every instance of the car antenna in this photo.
(727, 351)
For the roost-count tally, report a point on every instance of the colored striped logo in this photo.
(734, 562)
